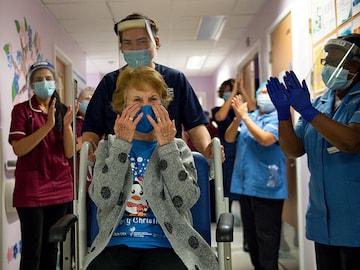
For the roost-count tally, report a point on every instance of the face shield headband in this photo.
(137, 23)
(129, 24)
(350, 51)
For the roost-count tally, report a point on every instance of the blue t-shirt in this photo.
(185, 108)
(139, 227)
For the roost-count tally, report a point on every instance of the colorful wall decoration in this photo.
(28, 52)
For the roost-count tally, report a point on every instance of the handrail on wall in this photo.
(10, 164)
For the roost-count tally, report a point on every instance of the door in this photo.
(60, 73)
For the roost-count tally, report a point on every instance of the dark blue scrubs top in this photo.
(185, 108)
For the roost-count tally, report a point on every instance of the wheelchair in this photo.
(72, 253)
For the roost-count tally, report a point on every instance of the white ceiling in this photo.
(90, 23)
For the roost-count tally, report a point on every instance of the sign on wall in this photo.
(330, 18)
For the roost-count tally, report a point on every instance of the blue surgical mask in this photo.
(338, 81)
(144, 125)
(226, 96)
(264, 102)
(137, 58)
(83, 107)
(44, 89)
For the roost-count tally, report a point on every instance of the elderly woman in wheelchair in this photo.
(144, 185)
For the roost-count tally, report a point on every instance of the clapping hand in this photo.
(298, 96)
(277, 93)
(68, 117)
(240, 108)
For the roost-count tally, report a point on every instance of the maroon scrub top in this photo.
(43, 176)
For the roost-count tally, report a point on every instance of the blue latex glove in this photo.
(276, 91)
(299, 97)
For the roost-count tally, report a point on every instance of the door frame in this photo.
(69, 94)
(249, 56)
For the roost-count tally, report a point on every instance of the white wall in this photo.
(205, 87)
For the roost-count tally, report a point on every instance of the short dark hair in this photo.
(224, 85)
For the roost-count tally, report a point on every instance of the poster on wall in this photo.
(356, 25)
(326, 26)
(318, 54)
(355, 7)
(345, 29)
(343, 11)
(323, 18)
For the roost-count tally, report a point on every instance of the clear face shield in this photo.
(139, 57)
(339, 53)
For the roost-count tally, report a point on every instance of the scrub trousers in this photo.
(262, 226)
(35, 222)
(337, 257)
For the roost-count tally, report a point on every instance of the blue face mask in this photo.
(226, 96)
(83, 107)
(338, 81)
(264, 102)
(144, 125)
(44, 89)
(137, 58)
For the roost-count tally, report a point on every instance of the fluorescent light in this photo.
(195, 62)
(211, 27)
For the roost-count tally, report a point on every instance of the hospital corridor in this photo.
(127, 127)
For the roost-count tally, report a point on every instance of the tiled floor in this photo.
(288, 256)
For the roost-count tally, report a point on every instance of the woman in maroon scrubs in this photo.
(41, 137)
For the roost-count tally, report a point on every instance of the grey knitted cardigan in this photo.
(170, 187)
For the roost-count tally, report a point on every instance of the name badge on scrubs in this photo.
(332, 150)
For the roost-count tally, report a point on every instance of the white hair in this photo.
(87, 92)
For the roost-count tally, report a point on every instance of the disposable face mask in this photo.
(44, 89)
(137, 58)
(336, 81)
(144, 125)
(226, 96)
(83, 107)
(264, 102)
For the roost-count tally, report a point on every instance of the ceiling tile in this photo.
(90, 24)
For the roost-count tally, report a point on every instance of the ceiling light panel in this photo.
(211, 27)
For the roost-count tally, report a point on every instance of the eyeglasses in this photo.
(330, 62)
(334, 62)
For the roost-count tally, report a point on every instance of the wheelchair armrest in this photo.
(58, 231)
(225, 228)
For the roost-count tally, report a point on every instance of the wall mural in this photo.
(21, 59)
(13, 252)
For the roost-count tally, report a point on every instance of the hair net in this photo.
(261, 87)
